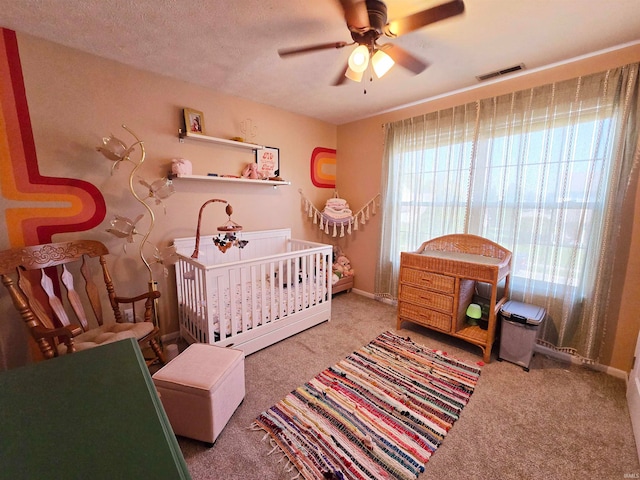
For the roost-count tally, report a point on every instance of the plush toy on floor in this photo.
(342, 272)
(341, 265)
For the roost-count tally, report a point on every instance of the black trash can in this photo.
(519, 329)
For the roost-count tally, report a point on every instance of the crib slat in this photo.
(264, 315)
(272, 291)
(245, 295)
(233, 299)
(306, 298)
(218, 298)
(253, 300)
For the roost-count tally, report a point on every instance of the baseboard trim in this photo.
(363, 293)
(565, 357)
(388, 301)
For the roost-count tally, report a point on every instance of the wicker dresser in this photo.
(437, 283)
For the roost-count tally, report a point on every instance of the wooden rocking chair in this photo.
(40, 280)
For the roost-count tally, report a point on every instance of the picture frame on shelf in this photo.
(268, 160)
(193, 121)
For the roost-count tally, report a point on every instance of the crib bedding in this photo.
(295, 298)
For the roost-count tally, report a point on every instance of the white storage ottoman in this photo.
(200, 389)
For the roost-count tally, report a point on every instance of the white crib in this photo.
(255, 296)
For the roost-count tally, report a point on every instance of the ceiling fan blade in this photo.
(356, 14)
(398, 27)
(404, 58)
(284, 52)
(341, 79)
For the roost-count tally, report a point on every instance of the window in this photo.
(541, 172)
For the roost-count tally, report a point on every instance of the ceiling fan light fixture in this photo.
(381, 63)
(391, 29)
(353, 75)
(359, 59)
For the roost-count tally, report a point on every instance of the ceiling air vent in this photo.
(499, 73)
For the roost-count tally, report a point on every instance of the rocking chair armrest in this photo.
(70, 331)
(147, 295)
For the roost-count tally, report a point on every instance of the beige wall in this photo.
(75, 99)
(360, 148)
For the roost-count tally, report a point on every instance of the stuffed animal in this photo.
(251, 171)
(342, 266)
(181, 166)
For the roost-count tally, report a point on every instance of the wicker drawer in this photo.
(424, 316)
(426, 298)
(420, 278)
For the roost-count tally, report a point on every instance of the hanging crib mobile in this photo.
(337, 216)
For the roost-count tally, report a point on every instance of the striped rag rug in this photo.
(378, 414)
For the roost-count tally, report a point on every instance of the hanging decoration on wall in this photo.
(323, 167)
(248, 130)
(337, 218)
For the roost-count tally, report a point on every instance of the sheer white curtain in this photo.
(542, 172)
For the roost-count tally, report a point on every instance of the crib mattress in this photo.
(243, 307)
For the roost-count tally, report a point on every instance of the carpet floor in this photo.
(558, 421)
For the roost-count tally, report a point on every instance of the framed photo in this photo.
(193, 121)
(268, 160)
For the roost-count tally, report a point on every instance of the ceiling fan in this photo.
(367, 22)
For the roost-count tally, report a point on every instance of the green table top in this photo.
(93, 414)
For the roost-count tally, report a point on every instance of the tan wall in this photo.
(360, 149)
(75, 99)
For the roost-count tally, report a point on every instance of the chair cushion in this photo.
(108, 333)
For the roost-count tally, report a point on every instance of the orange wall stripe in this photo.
(20, 179)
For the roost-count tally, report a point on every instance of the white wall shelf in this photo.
(230, 143)
(220, 141)
(211, 178)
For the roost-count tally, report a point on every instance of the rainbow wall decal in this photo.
(323, 167)
(40, 216)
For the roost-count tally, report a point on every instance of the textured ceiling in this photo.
(231, 46)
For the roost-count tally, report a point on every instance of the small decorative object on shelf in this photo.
(248, 130)
(181, 166)
(268, 161)
(193, 120)
(117, 151)
(474, 314)
(337, 213)
(227, 238)
(251, 171)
